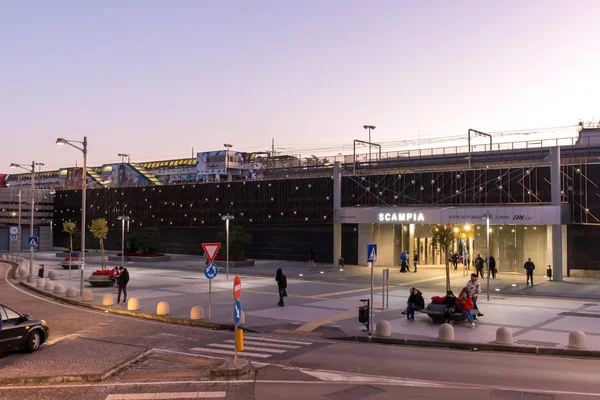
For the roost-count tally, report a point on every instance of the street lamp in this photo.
(83, 149)
(228, 147)
(123, 218)
(122, 155)
(226, 218)
(370, 128)
(31, 170)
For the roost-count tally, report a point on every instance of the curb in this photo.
(170, 320)
(87, 378)
(491, 347)
(228, 369)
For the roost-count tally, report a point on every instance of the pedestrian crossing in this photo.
(254, 347)
(167, 396)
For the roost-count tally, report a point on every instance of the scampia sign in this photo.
(401, 217)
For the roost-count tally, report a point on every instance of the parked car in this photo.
(21, 331)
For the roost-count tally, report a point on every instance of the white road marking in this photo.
(280, 346)
(61, 338)
(169, 395)
(230, 353)
(262, 339)
(266, 350)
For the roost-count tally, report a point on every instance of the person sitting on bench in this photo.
(451, 304)
(415, 303)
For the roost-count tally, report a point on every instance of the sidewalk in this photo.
(326, 303)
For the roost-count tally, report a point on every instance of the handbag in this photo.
(285, 293)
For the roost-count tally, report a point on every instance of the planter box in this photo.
(100, 281)
(235, 264)
(140, 259)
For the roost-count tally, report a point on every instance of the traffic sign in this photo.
(13, 238)
(33, 241)
(14, 230)
(237, 312)
(211, 270)
(237, 287)
(211, 250)
(371, 253)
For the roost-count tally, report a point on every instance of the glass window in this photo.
(9, 314)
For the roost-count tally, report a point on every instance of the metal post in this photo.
(19, 243)
(123, 242)
(209, 296)
(371, 304)
(32, 197)
(83, 211)
(488, 256)
(227, 262)
(235, 356)
(383, 291)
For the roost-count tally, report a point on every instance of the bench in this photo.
(436, 313)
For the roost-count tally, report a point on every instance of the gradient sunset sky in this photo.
(155, 78)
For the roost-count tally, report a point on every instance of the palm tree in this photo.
(70, 228)
(99, 230)
(443, 239)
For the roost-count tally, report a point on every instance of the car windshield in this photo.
(8, 314)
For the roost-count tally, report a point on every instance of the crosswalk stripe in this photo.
(228, 346)
(228, 352)
(280, 346)
(262, 339)
(167, 395)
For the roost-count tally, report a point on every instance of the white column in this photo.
(365, 236)
(337, 204)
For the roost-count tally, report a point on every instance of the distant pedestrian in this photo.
(122, 281)
(415, 260)
(474, 289)
(529, 267)
(479, 265)
(311, 259)
(281, 280)
(403, 262)
(455, 261)
(492, 265)
(415, 303)
(466, 263)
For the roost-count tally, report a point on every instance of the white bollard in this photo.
(383, 329)
(30, 279)
(504, 335)
(41, 283)
(71, 292)
(162, 308)
(23, 272)
(87, 295)
(52, 275)
(3, 257)
(108, 300)
(196, 313)
(133, 304)
(578, 340)
(446, 333)
(49, 286)
(59, 289)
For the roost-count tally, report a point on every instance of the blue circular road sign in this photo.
(237, 312)
(211, 270)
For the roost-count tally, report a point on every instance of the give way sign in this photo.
(211, 250)
(237, 287)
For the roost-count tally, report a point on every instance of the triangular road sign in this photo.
(373, 255)
(211, 250)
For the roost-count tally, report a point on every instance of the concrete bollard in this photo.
(108, 300)
(446, 333)
(23, 272)
(87, 295)
(578, 340)
(383, 329)
(52, 275)
(41, 283)
(30, 279)
(504, 335)
(133, 304)
(242, 318)
(49, 286)
(196, 313)
(71, 292)
(162, 308)
(3, 257)
(59, 289)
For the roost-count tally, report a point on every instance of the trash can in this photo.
(549, 272)
(363, 312)
(41, 271)
(341, 262)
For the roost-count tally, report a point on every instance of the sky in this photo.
(156, 78)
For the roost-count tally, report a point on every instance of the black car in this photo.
(21, 331)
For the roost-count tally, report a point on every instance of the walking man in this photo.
(415, 260)
(479, 266)
(403, 261)
(281, 280)
(122, 282)
(529, 267)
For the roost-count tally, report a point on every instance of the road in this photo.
(289, 367)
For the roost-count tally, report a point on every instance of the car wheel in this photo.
(34, 341)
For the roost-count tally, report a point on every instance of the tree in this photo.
(70, 228)
(99, 230)
(239, 240)
(443, 239)
(150, 241)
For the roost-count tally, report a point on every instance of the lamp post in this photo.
(19, 238)
(487, 223)
(228, 147)
(226, 218)
(32, 212)
(83, 149)
(122, 155)
(123, 218)
(370, 128)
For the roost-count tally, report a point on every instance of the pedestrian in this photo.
(113, 274)
(415, 303)
(415, 260)
(455, 261)
(410, 292)
(492, 265)
(311, 258)
(479, 265)
(529, 267)
(466, 263)
(403, 260)
(474, 289)
(450, 306)
(465, 303)
(122, 281)
(281, 280)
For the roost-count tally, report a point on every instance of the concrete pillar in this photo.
(337, 204)
(564, 251)
(411, 242)
(557, 236)
(365, 236)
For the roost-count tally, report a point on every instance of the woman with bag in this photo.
(281, 285)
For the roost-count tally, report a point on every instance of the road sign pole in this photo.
(371, 305)
(235, 357)
(209, 296)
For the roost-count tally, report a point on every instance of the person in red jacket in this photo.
(465, 303)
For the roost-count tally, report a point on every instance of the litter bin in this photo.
(41, 271)
(549, 272)
(341, 262)
(363, 313)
